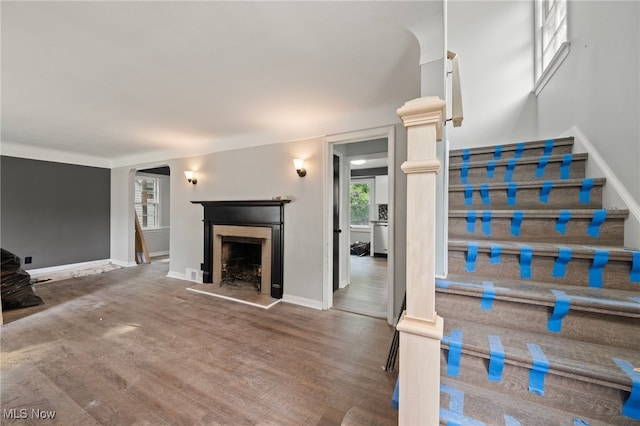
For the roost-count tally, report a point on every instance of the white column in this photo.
(420, 326)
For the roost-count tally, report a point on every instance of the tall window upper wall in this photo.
(551, 38)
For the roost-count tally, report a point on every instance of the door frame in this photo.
(328, 152)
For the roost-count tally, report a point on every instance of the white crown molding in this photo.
(11, 149)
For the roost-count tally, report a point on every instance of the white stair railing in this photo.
(456, 92)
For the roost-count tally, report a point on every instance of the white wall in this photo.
(597, 88)
(244, 174)
(494, 41)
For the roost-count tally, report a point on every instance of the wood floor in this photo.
(367, 292)
(134, 347)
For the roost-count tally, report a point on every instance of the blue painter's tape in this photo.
(472, 255)
(488, 294)
(484, 194)
(464, 172)
(634, 274)
(497, 153)
(579, 422)
(442, 283)
(455, 351)
(395, 403)
(471, 221)
(631, 407)
(542, 164)
(453, 415)
(593, 229)
(486, 222)
(600, 258)
(545, 191)
(510, 421)
(635, 299)
(548, 147)
(511, 166)
(512, 189)
(494, 257)
(560, 266)
(526, 253)
(565, 167)
(468, 195)
(560, 310)
(519, 150)
(496, 359)
(539, 369)
(491, 167)
(516, 222)
(561, 223)
(466, 154)
(585, 191)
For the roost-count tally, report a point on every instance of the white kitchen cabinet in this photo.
(382, 189)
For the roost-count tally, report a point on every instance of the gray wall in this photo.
(56, 213)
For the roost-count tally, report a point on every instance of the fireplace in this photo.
(234, 232)
(242, 256)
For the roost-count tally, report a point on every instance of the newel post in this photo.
(420, 326)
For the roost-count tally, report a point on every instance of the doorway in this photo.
(152, 201)
(365, 176)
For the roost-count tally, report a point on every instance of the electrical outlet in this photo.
(28, 260)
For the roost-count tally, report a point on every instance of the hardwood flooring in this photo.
(132, 346)
(367, 292)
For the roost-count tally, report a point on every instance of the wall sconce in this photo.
(191, 177)
(299, 165)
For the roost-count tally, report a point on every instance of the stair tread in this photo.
(490, 407)
(519, 161)
(540, 213)
(512, 146)
(579, 360)
(612, 301)
(547, 249)
(530, 184)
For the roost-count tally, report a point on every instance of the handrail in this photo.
(456, 93)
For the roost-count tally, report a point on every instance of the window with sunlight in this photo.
(146, 201)
(360, 202)
(552, 44)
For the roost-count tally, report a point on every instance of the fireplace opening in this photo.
(241, 262)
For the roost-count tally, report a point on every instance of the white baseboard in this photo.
(122, 263)
(68, 268)
(177, 275)
(302, 301)
(615, 194)
(159, 253)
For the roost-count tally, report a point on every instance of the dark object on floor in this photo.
(395, 344)
(17, 289)
(360, 249)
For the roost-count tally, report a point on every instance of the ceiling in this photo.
(115, 82)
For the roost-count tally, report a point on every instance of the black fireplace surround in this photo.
(265, 213)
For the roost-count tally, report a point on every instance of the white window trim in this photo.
(558, 58)
(157, 203)
(555, 63)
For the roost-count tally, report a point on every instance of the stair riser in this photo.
(521, 172)
(491, 408)
(615, 274)
(456, 156)
(590, 327)
(540, 230)
(584, 399)
(562, 197)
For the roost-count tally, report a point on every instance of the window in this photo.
(146, 201)
(552, 45)
(361, 202)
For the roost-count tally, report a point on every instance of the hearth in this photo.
(232, 227)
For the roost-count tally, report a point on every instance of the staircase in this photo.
(542, 301)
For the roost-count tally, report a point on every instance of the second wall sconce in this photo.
(191, 177)
(299, 165)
